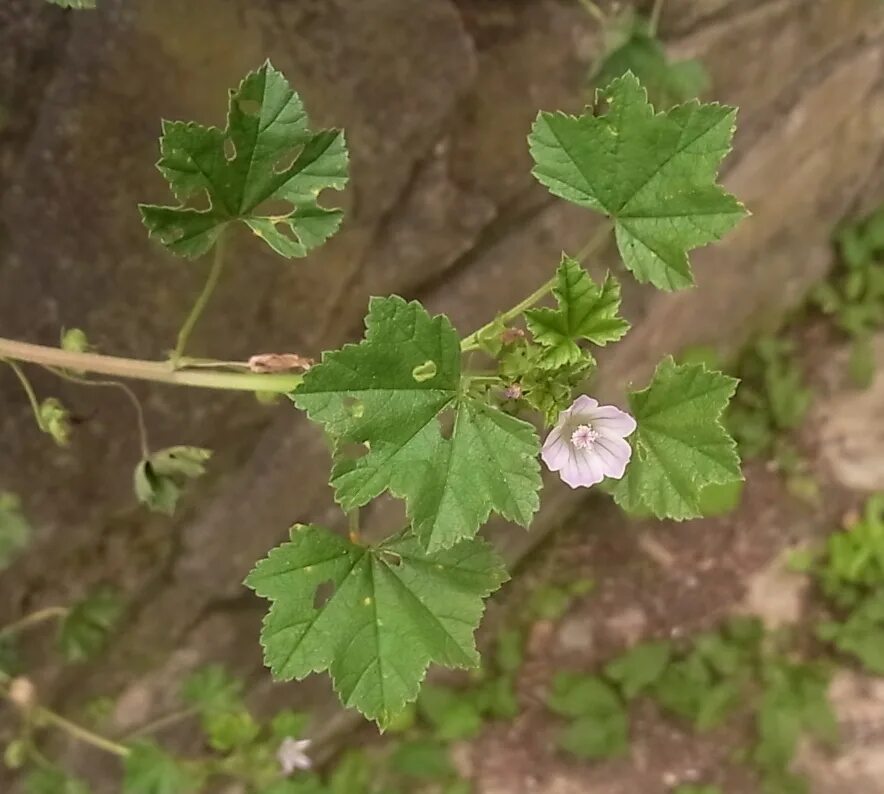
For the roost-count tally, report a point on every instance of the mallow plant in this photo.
(458, 427)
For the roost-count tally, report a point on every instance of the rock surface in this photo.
(436, 98)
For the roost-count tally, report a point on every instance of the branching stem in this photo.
(133, 398)
(201, 301)
(40, 714)
(594, 11)
(35, 618)
(592, 245)
(29, 390)
(161, 722)
(138, 369)
(656, 13)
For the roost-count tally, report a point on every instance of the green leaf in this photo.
(11, 662)
(368, 395)
(720, 499)
(601, 725)
(230, 730)
(15, 531)
(266, 155)
(389, 611)
(586, 311)
(212, 689)
(302, 785)
(160, 478)
(794, 702)
(653, 174)
(578, 695)
(680, 446)
(549, 602)
(688, 789)
(717, 704)
(49, 780)
(640, 668)
(509, 650)
(352, 775)
(452, 714)
(84, 631)
(289, 724)
(862, 634)
(55, 420)
(684, 687)
(423, 760)
(667, 82)
(74, 340)
(596, 737)
(149, 770)
(497, 698)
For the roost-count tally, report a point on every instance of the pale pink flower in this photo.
(587, 444)
(292, 755)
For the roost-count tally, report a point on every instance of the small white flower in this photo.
(587, 444)
(292, 755)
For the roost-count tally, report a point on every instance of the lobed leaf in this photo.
(586, 310)
(653, 173)
(680, 446)
(387, 395)
(390, 611)
(267, 154)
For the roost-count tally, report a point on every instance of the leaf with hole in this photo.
(389, 611)
(266, 156)
(653, 173)
(387, 395)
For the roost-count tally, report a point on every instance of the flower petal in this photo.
(609, 420)
(584, 405)
(582, 470)
(556, 450)
(614, 453)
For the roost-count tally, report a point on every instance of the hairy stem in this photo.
(201, 301)
(132, 397)
(137, 369)
(42, 715)
(656, 13)
(353, 521)
(40, 616)
(161, 722)
(29, 390)
(594, 11)
(592, 246)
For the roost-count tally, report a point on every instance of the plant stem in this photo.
(656, 13)
(594, 11)
(201, 301)
(81, 733)
(592, 245)
(33, 619)
(133, 398)
(29, 390)
(353, 521)
(161, 722)
(138, 369)
(40, 714)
